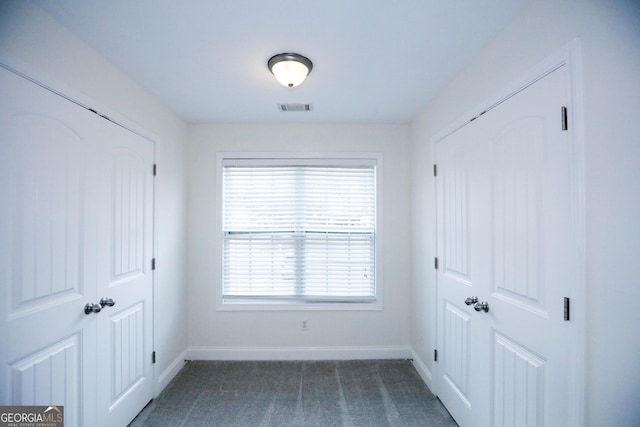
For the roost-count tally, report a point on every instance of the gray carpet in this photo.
(324, 393)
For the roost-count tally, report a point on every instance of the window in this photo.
(299, 230)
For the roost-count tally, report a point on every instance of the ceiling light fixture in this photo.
(290, 69)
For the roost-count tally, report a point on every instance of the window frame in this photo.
(331, 158)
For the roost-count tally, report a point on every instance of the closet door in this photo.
(59, 168)
(506, 242)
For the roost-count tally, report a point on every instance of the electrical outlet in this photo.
(304, 325)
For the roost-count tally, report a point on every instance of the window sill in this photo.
(297, 306)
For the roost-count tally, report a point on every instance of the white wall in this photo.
(277, 335)
(31, 41)
(609, 32)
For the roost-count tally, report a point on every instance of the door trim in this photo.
(571, 57)
(30, 73)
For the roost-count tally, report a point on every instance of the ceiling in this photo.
(374, 61)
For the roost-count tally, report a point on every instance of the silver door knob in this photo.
(92, 308)
(482, 306)
(107, 301)
(471, 300)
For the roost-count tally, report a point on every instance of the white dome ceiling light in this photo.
(290, 69)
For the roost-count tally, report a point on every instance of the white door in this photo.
(125, 374)
(506, 236)
(57, 163)
(462, 236)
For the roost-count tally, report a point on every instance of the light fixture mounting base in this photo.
(290, 57)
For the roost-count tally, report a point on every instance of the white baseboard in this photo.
(168, 374)
(298, 353)
(423, 371)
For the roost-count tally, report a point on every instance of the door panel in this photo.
(45, 197)
(456, 210)
(462, 270)
(518, 384)
(124, 330)
(457, 351)
(46, 267)
(504, 208)
(532, 152)
(50, 375)
(517, 153)
(128, 219)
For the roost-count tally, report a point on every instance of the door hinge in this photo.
(153, 263)
(153, 357)
(435, 170)
(435, 355)
(435, 263)
(567, 309)
(565, 120)
(155, 169)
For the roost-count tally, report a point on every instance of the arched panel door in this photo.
(75, 221)
(506, 246)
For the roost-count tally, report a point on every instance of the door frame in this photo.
(569, 56)
(32, 74)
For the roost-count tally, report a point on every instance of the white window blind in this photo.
(299, 230)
